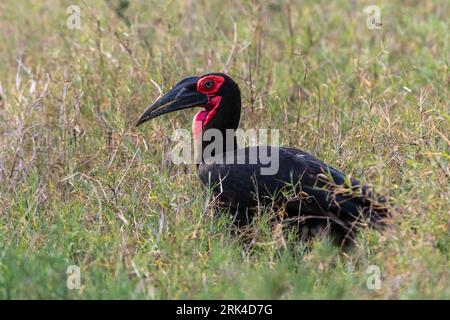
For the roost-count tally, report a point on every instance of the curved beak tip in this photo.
(182, 96)
(139, 121)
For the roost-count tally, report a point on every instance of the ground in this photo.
(81, 187)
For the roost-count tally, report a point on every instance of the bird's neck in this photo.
(211, 142)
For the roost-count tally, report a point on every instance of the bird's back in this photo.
(302, 185)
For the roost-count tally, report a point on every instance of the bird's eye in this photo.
(208, 84)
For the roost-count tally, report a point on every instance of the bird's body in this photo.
(301, 189)
(304, 190)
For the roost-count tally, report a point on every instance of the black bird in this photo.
(303, 191)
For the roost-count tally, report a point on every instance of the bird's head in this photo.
(216, 93)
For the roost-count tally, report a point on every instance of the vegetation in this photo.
(79, 185)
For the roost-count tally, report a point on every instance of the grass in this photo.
(79, 185)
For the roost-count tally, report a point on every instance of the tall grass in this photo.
(79, 185)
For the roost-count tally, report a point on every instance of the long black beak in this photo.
(184, 95)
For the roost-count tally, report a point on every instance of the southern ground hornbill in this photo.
(304, 191)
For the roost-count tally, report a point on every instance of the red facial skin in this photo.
(208, 85)
(217, 82)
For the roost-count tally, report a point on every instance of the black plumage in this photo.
(304, 191)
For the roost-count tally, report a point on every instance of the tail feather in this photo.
(354, 207)
(373, 209)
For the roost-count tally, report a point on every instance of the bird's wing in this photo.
(299, 175)
(236, 181)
